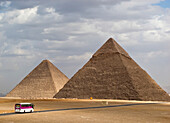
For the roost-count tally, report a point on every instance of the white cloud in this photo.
(84, 56)
(19, 16)
(50, 10)
(154, 54)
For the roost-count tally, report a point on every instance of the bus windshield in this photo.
(17, 106)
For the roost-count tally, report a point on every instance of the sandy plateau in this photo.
(74, 111)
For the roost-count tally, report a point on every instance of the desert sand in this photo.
(84, 110)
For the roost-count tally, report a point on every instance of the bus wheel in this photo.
(30, 111)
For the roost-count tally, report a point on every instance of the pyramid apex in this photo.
(111, 46)
(46, 60)
(110, 39)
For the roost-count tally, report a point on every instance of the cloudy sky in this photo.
(68, 32)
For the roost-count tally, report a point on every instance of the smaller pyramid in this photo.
(43, 82)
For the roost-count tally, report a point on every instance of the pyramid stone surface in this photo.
(112, 74)
(43, 82)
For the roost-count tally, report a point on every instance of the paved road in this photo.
(82, 108)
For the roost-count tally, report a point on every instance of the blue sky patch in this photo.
(164, 4)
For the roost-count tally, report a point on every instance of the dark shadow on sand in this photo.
(97, 107)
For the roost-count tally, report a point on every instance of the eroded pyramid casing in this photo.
(43, 82)
(112, 74)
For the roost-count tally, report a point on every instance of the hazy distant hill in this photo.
(2, 95)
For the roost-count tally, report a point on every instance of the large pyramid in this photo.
(112, 74)
(43, 82)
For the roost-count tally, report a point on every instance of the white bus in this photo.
(24, 107)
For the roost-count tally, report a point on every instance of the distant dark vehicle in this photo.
(24, 107)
